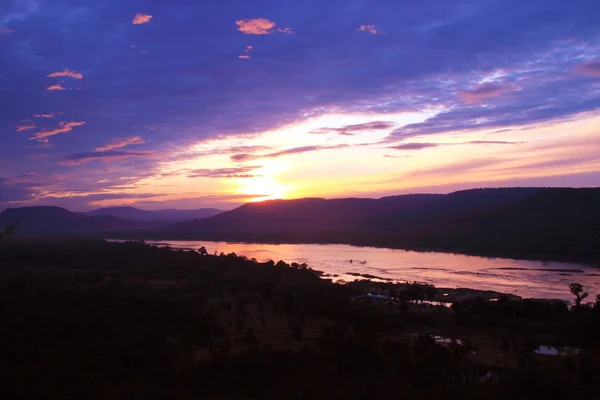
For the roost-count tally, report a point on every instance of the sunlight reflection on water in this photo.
(533, 279)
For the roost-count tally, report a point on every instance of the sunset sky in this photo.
(190, 104)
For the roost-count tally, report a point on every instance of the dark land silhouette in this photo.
(164, 216)
(88, 319)
(533, 223)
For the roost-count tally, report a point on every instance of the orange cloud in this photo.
(66, 72)
(119, 143)
(244, 56)
(369, 28)
(24, 127)
(82, 158)
(139, 19)
(249, 48)
(481, 93)
(62, 128)
(255, 26)
(55, 87)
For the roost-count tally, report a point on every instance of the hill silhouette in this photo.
(537, 223)
(167, 216)
(44, 221)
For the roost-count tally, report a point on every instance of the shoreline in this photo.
(490, 252)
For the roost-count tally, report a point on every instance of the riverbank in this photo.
(526, 279)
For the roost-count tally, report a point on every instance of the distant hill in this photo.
(539, 223)
(311, 216)
(44, 221)
(167, 216)
(536, 223)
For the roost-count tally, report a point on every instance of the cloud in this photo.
(237, 172)
(249, 48)
(82, 158)
(65, 73)
(24, 127)
(255, 26)
(589, 69)
(422, 146)
(37, 156)
(119, 143)
(285, 30)
(139, 19)
(482, 92)
(414, 146)
(6, 32)
(244, 57)
(349, 130)
(47, 115)
(295, 150)
(63, 127)
(58, 86)
(370, 29)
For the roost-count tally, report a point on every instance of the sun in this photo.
(265, 188)
(264, 185)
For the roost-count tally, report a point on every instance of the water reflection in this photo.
(557, 351)
(522, 278)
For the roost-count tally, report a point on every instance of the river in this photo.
(532, 279)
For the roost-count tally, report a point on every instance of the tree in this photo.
(8, 229)
(202, 251)
(577, 291)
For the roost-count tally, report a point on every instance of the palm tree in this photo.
(577, 291)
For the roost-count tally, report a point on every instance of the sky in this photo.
(191, 104)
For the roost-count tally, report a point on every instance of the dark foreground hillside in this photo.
(95, 320)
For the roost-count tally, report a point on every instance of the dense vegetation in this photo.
(87, 319)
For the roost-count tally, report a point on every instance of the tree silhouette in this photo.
(8, 229)
(577, 291)
(202, 250)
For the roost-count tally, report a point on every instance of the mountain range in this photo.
(537, 223)
(165, 216)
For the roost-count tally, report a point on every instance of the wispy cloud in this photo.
(236, 172)
(248, 48)
(427, 145)
(350, 130)
(285, 30)
(370, 29)
(589, 69)
(24, 127)
(82, 158)
(36, 156)
(6, 32)
(47, 115)
(66, 73)
(119, 143)
(294, 150)
(256, 26)
(413, 146)
(140, 18)
(58, 86)
(481, 93)
(63, 127)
